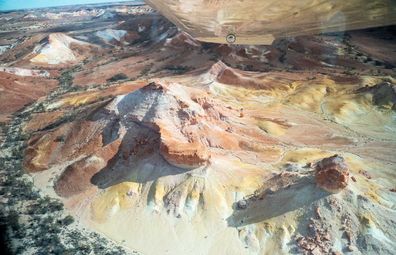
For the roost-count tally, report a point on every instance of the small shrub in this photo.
(66, 79)
(60, 139)
(13, 220)
(145, 70)
(117, 77)
(178, 69)
(67, 220)
(55, 206)
(40, 107)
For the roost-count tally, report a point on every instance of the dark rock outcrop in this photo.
(332, 174)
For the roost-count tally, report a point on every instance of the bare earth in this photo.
(167, 145)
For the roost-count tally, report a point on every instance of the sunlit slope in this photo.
(171, 161)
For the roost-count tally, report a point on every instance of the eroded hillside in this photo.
(171, 146)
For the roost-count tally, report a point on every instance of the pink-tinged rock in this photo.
(332, 174)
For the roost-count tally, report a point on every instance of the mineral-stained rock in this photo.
(59, 50)
(185, 141)
(184, 155)
(42, 120)
(332, 174)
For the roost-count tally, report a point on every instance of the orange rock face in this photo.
(184, 155)
(332, 174)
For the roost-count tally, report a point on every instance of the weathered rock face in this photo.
(332, 174)
(184, 155)
(181, 118)
(59, 50)
(383, 95)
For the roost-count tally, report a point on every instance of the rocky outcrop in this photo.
(155, 106)
(383, 94)
(184, 155)
(332, 174)
(182, 39)
(61, 49)
(230, 76)
(268, 81)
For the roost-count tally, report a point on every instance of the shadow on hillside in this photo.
(290, 198)
(137, 160)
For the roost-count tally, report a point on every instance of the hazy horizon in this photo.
(8, 5)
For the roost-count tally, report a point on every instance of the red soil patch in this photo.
(18, 91)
